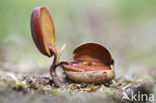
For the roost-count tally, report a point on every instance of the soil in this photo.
(38, 87)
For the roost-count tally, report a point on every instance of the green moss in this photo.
(47, 88)
(19, 86)
(56, 93)
(108, 91)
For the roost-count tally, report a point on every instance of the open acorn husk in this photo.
(93, 63)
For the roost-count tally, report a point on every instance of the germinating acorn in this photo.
(93, 63)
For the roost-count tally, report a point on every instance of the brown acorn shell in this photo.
(100, 76)
(92, 55)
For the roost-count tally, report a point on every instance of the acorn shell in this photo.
(96, 55)
(100, 76)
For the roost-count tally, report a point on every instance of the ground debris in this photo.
(42, 84)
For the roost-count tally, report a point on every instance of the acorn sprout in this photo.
(92, 63)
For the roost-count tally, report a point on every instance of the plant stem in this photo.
(64, 62)
(54, 76)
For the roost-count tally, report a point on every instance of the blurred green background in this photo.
(126, 27)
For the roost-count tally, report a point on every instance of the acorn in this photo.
(93, 63)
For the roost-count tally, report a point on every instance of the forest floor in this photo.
(37, 87)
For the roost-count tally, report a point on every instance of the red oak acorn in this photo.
(93, 63)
